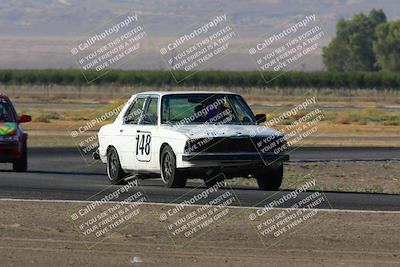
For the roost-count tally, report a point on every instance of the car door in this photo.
(127, 133)
(147, 136)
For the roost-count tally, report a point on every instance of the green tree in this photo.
(387, 46)
(336, 54)
(377, 17)
(352, 48)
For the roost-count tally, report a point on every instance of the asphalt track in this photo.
(63, 174)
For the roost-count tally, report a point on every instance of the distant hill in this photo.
(39, 33)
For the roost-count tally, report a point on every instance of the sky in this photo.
(41, 33)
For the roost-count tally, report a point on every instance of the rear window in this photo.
(6, 111)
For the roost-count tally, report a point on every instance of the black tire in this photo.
(270, 179)
(21, 165)
(114, 171)
(171, 176)
(212, 179)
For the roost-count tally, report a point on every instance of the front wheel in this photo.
(270, 179)
(114, 170)
(171, 176)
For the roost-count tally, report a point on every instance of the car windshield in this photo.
(205, 108)
(6, 112)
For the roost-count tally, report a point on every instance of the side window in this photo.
(151, 117)
(132, 116)
(240, 113)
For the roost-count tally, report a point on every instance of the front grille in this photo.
(234, 144)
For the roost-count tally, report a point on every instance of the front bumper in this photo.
(240, 157)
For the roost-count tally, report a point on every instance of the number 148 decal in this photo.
(143, 146)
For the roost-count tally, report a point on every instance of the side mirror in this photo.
(24, 118)
(260, 118)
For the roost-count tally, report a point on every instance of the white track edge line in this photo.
(195, 205)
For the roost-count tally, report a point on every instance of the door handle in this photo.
(121, 130)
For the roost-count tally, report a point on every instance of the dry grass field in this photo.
(357, 120)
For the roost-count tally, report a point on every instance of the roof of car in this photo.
(161, 93)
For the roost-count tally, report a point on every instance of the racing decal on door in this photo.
(143, 146)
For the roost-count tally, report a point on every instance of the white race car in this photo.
(180, 135)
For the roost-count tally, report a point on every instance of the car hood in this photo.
(228, 130)
(7, 128)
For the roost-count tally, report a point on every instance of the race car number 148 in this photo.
(143, 146)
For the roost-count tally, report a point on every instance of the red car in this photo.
(13, 139)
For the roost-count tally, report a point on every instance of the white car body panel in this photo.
(124, 138)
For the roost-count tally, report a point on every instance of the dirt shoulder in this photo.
(42, 234)
(370, 176)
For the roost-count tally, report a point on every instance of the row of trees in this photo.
(364, 43)
(321, 79)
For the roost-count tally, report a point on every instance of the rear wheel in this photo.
(270, 178)
(171, 176)
(114, 170)
(21, 165)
